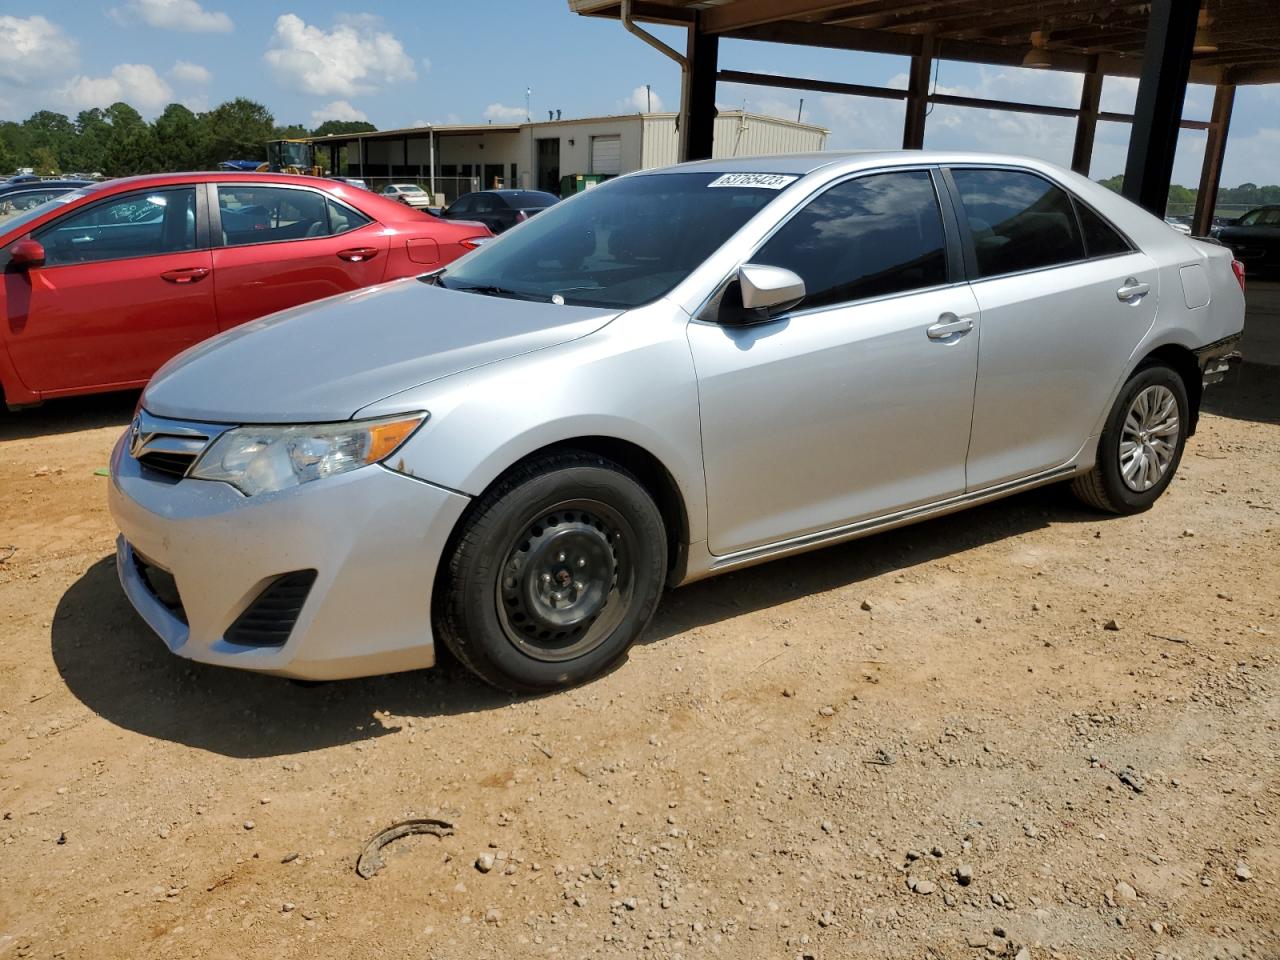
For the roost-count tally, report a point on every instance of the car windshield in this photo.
(18, 219)
(621, 244)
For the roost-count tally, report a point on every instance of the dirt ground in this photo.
(801, 760)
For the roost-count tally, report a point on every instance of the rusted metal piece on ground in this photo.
(370, 861)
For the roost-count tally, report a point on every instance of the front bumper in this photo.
(373, 537)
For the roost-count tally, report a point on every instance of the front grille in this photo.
(161, 585)
(268, 621)
(175, 464)
(170, 447)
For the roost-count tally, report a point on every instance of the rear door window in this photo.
(1019, 221)
(263, 214)
(134, 225)
(870, 237)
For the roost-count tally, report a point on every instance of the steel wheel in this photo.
(1149, 437)
(566, 581)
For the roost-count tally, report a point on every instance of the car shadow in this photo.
(69, 415)
(1250, 392)
(115, 666)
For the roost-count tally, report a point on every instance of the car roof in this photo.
(801, 164)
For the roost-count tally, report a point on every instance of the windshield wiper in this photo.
(492, 290)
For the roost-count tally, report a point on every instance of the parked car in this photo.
(410, 194)
(103, 284)
(16, 198)
(1255, 239)
(499, 210)
(681, 372)
(1181, 224)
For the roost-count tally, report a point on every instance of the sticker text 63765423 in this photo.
(765, 181)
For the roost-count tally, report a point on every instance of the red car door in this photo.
(286, 245)
(124, 287)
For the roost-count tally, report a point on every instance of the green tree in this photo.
(237, 130)
(53, 131)
(131, 144)
(87, 149)
(45, 161)
(330, 127)
(180, 140)
(8, 159)
(292, 131)
(1115, 183)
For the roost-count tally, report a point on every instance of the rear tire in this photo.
(554, 574)
(1141, 443)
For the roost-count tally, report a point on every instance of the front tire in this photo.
(1141, 444)
(553, 575)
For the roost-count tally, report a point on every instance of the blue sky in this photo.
(398, 64)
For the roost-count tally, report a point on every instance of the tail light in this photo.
(1238, 269)
(472, 242)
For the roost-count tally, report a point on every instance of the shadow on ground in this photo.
(1250, 392)
(68, 416)
(112, 662)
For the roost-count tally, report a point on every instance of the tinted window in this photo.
(869, 237)
(136, 225)
(342, 219)
(254, 214)
(484, 203)
(621, 244)
(1100, 238)
(462, 204)
(1019, 221)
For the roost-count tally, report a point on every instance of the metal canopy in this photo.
(1166, 43)
(1246, 33)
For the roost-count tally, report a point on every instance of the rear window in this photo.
(1019, 221)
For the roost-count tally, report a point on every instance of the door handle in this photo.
(1132, 291)
(185, 274)
(358, 254)
(949, 328)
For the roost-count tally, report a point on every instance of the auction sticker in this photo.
(765, 181)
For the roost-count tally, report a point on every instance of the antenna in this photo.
(800, 112)
(528, 104)
(648, 95)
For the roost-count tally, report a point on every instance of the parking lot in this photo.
(1075, 715)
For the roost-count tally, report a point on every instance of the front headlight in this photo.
(263, 459)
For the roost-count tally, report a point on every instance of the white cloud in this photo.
(641, 99)
(137, 84)
(354, 57)
(186, 72)
(337, 110)
(185, 15)
(33, 48)
(500, 113)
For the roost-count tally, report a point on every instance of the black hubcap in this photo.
(563, 585)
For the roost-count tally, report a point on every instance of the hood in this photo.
(325, 360)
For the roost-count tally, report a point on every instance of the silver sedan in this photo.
(681, 372)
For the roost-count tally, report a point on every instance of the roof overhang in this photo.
(1245, 34)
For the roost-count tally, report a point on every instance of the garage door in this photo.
(606, 154)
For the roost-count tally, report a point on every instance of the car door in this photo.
(857, 402)
(125, 285)
(282, 246)
(1059, 322)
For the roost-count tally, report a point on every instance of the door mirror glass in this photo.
(760, 292)
(26, 254)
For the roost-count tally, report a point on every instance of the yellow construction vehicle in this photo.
(291, 156)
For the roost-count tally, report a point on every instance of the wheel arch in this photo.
(1184, 363)
(652, 473)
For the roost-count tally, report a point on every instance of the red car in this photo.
(103, 285)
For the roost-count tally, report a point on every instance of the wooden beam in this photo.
(753, 13)
(835, 38)
(918, 95)
(1087, 121)
(818, 86)
(1214, 150)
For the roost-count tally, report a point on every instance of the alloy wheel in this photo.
(1149, 438)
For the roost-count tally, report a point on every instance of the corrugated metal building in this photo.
(453, 160)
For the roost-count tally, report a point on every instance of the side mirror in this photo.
(762, 291)
(26, 254)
